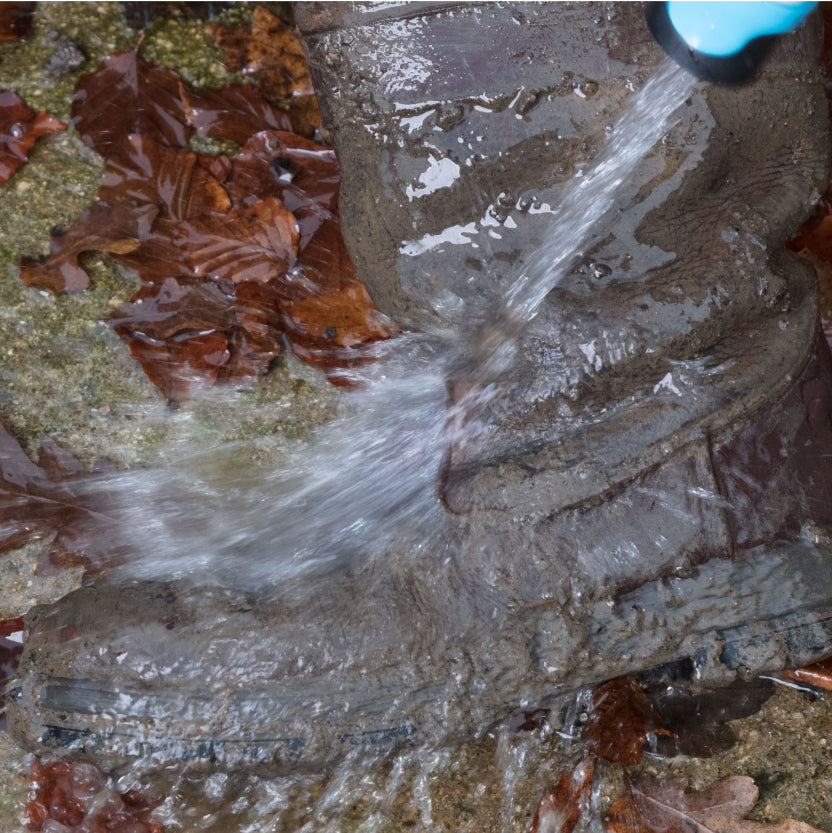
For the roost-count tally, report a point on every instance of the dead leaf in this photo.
(125, 95)
(621, 721)
(269, 50)
(16, 21)
(234, 112)
(20, 128)
(305, 116)
(102, 228)
(344, 317)
(233, 255)
(257, 242)
(818, 674)
(80, 797)
(32, 504)
(301, 173)
(329, 308)
(669, 807)
(141, 181)
(10, 626)
(180, 183)
(561, 809)
(178, 333)
(42, 499)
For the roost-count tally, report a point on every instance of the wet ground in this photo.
(67, 375)
(786, 747)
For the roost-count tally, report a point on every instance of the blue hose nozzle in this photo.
(723, 41)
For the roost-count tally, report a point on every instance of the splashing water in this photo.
(368, 480)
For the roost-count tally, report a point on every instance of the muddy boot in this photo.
(654, 486)
(665, 423)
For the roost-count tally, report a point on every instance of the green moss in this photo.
(183, 45)
(99, 29)
(55, 188)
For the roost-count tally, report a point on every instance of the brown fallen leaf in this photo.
(269, 50)
(669, 807)
(234, 112)
(32, 503)
(818, 674)
(20, 128)
(179, 183)
(102, 228)
(42, 499)
(142, 180)
(177, 331)
(79, 797)
(305, 116)
(621, 721)
(128, 94)
(329, 307)
(233, 255)
(257, 242)
(16, 21)
(561, 809)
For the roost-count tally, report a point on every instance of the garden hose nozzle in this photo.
(725, 41)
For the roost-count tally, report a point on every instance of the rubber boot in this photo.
(656, 487)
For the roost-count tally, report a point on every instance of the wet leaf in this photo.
(345, 317)
(818, 674)
(38, 500)
(11, 626)
(179, 334)
(32, 504)
(257, 242)
(81, 798)
(20, 128)
(621, 721)
(234, 256)
(102, 228)
(270, 51)
(668, 807)
(561, 809)
(234, 112)
(125, 95)
(305, 116)
(179, 183)
(141, 180)
(330, 308)
(16, 21)
(302, 173)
